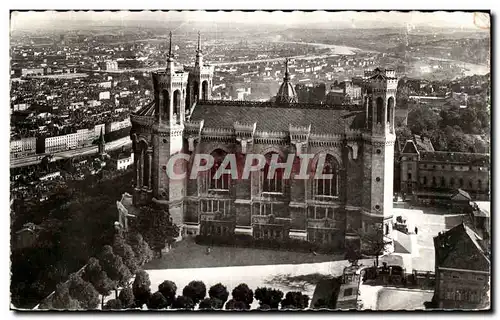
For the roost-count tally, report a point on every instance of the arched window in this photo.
(370, 110)
(272, 183)
(177, 105)
(452, 182)
(390, 109)
(433, 181)
(479, 185)
(443, 182)
(425, 181)
(196, 91)
(327, 187)
(470, 184)
(166, 101)
(204, 90)
(461, 182)
(222, 182)
(380, 109)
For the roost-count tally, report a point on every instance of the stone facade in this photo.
(356, 143)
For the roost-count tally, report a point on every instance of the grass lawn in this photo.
(188, 254)
(394, 299)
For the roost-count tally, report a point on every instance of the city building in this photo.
(23, 147)
(432, 175)
(462, 269)
(356, 143)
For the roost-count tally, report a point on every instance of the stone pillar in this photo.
(150, 165)
(137, 172)
(141, 169)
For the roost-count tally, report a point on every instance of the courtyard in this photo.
(429, 221)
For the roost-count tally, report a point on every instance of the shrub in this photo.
(113, 304)
(269, 297)
(195, 290)
(126, 298)
(168, 290)
(157, 301)
(219, 291)
(211, 304)
(244, 294)
(295, 300)
(182, 302)
(236, 305)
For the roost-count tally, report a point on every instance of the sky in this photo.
(335, 19)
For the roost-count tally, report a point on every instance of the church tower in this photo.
(200, 79)
(379, 138)
(166, 137)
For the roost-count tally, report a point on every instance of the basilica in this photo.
(356, 141)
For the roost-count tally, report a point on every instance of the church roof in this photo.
(460, 248)
(456, 157)
(277, 118)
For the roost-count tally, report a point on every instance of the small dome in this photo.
(286, 93)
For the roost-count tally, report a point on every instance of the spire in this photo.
(199, 43)
(170, 56)
(199, 53)
(101, 138)
(287, 74)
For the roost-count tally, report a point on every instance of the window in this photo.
(409, 176)
(321, 213)
(425, 181)
(461, 182)
(470, 184)
(409, 166)
(452, 182)
(266, 209)
(210, 206)
(443, 182)
(222, 182)
(328, 186)
(479, 184)
(433, 181)
(272, 183)
(348, 292)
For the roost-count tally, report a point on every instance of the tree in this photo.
(143, 252)
(295, 300)
(113, 304)
(422, 118)
(373, 241)
(94, 274)
(113, 265)
(211, 304)
(83, 291)
(236, 305)
(157, 301)
(196, 290)
(62, 300)
(219, 291)
(168, 290)
(125, 251)
(182, 302)
(141, 288)
(352, 255)
(268, 296)
(157, 227)
(127, 298)
(244, 294)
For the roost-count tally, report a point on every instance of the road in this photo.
(113, 145)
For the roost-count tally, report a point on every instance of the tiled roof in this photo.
(147, 110)
(456, 157)
(460, 248)
(276, 118)
(423, 143)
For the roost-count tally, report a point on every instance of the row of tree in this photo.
(112, 270)
(195, 294)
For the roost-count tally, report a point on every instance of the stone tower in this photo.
(200, 79)
(379, 138)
